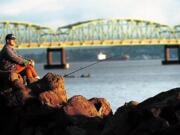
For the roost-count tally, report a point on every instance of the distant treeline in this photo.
(90, 53)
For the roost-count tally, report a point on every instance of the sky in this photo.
(56, 13)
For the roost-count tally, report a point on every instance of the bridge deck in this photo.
(127, 42)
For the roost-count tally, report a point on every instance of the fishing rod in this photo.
(66, 75)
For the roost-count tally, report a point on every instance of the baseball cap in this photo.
(10, 36)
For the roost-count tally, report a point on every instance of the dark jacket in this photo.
(9, 58)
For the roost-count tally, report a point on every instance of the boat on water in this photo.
(101, 56)
(120, 58)
(124, 57)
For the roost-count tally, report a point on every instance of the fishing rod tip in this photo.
(69, 76)
(65, 75)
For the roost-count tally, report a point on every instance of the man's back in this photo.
(8, 58)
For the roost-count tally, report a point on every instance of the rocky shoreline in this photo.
(43, 108)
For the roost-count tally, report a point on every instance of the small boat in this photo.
(101, 56)
(125, 57)
(85, 76)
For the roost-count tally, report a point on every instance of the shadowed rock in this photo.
(155, 115)
(119, 123)
(74, 130)
(42, 108)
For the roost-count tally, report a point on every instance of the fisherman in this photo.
(10, 61)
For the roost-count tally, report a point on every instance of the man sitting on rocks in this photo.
(10, 61)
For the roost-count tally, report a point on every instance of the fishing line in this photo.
(66, 75)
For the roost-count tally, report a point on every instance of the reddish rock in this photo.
(88, 116)
(102, 106)
(79, 105)
(35, 109)
(51, 90)
(54, 98)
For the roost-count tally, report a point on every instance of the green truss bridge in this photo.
(99, 32)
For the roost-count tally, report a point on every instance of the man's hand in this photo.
(31, 62)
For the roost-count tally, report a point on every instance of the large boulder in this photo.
(25, 108)
(13, 92)
(74, 130)
(42, 108)
(6, 79)
(79, 105)
(88, 116)
(50, 90)
(119, 123)
(154, 116)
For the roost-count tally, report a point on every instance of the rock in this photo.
(51, 81)
(50, 90)
(172, 130)
(167, 103)
(19, 86)
(16, 95)
(5, 80)
(74, 130)
(27, 131)
(119, 123)
(79, 105)
(15, 76)
(154, 116)
(89, 115)
(102, 106)
(42, 108)
(22, 102)
(149, 126)
(170, 97)
(52, 98)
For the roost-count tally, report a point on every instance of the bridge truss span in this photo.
(99, 32)
(116, 29)
(27, 34)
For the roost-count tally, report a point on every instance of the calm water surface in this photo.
(119, 81)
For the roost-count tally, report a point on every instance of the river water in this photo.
(119, 81)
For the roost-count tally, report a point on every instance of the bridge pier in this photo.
(167, 53)
(50, 64)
